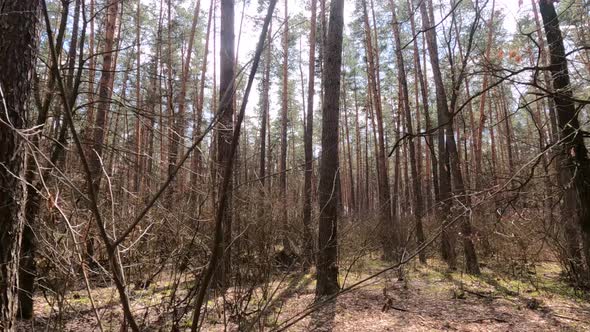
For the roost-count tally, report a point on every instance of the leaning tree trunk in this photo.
(17, 58)
(327, 264)
(574, 163)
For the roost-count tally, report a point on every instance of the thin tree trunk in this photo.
(137, 178)
(389, 233)
(284, 124)
(91, 73)
(197, 160)
(225, 103)
(482, 103)
(265, 109)
(397, 171)
(425, 104)
(308, 142)
(416, 189)
(104, 102)
(168, 126)
(353, 201)
(444, 179)
(446, 121)
(361, 202)
(179, 122)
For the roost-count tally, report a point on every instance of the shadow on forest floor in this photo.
(428, 298)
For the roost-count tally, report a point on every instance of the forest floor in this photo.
(426, 298)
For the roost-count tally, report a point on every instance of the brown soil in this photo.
(425, 299)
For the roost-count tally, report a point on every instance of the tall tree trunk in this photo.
(546, 76)
(425, 104)
(508, 127)
(361, 199)
(366, 156)
(446, 121)
(548, 199)
(160, 74)
(327, 264)
(27, 264)
(397, 170)
(308, 141)
(168, 125)
(444, 179)
(104, 101)
(91, 73)
(353, 202)
(574, 163)
(197, 156)
(103, 95)
(265, 109)
(284, 123)
(137, 178)
(214, 102)
(482, 103)
(178, 119)
(223, 208)
(467, 97)
(17, 58)
(390, 237)
(225, 129)
(416, 189)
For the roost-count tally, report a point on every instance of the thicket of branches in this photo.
(133, 151)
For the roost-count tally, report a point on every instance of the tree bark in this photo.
(265, 109)
(554, 131)
(389, 235)
(482, 104)
(223, 208)
(197, 156)
(18, 20)
(425, 104)
(327, 264)
(353, 200)
(444, 179)
(137, 176)
(104, 101)
(416, 189)
(573, 162)
(308, 141)
(179, 124)
(284, 123)
(225, 129)
(450, 147)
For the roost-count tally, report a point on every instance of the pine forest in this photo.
(294, 165)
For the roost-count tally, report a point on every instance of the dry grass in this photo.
(428, 298)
